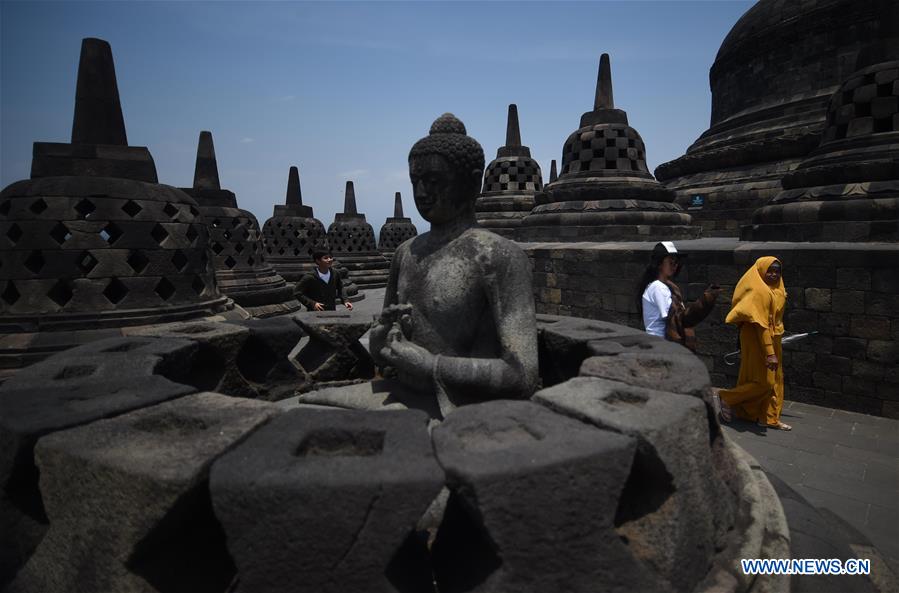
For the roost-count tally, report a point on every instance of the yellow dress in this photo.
(758, 311)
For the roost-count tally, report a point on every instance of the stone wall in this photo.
(848, 292)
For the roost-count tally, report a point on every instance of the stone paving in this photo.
(845, 462)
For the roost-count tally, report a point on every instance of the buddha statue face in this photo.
(442, 193)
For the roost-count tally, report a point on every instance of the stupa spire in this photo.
(98, 111)
(513, 132)
(206, 171)
(349, 199)
(294, 193)
(553, 174)
(398, 206)
(604, 98)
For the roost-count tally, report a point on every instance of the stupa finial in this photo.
(513, 132)
(604, 98)
(553, 174)
(349, 199)
(294, 193)
(206, 171)
(98, 111)
(397, 205)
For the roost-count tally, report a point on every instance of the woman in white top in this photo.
(661, 303)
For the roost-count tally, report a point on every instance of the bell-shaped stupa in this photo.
(293, 232)
(352, 242)
(395, 230)
(605, 191)
(92, 242)
(848, 188)
(510, 183)
(771, 83)
(236, 243)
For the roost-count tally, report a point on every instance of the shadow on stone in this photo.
(647, 488)
(463, 555)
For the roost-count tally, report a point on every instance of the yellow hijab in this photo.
(756, 302)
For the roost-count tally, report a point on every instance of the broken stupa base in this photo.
(488, 533)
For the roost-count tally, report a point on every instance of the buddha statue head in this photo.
(446, 168)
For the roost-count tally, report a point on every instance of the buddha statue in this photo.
(458, 319)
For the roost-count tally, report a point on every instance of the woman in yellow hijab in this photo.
(757, 309)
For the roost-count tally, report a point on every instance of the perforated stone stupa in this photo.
(510, 183)
(92, 242)
(848, 188)
(352, 242)
(605, 191)
(771, 83)
(236, 242)
(292, 233)
(396, 229)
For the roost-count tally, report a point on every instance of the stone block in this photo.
(533, 503)
(885, 305)
(818, 299)
(677, 373)
(801, 320)
(830, 363)
(128, 499)
(830, 324)
(328, 501)
(562, 343)
(220, 344)
(827, 381)
(885, 280)
(331, 350)
(686, 489)
(854, 278)
(98, 380)
(871, 371)
(870, 328)
(850, 347)
(848, 301)
(263, 360)
(883, 351)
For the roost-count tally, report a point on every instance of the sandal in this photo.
(779, 426)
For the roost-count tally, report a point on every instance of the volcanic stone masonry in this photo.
(92, 242)
(352, 242)
(848, 188)
(293, 232)
(236, 242)
(605, 191)
(510, 183)
(396, 230)
(771, 82)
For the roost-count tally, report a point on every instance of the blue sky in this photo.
(343, 89)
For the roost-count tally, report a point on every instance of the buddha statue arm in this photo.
(377, 338)
(508, 286)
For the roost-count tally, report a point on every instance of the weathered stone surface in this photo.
(128, 499)
(678, 373)
(771, 83)
(533, 503)
(458, 318)
(510, 183)
(98, 380)
(564, 343)
(241, 271)
(93, 241)
(264, 358)
(330, 350)
(676, 508)
(220, 345)
(605, 191)
(327, 501)
(395, 230)
(293, 232)
(352, 242)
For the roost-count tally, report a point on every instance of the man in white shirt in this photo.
(319, 290)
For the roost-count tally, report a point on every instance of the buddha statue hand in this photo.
(410, 359)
